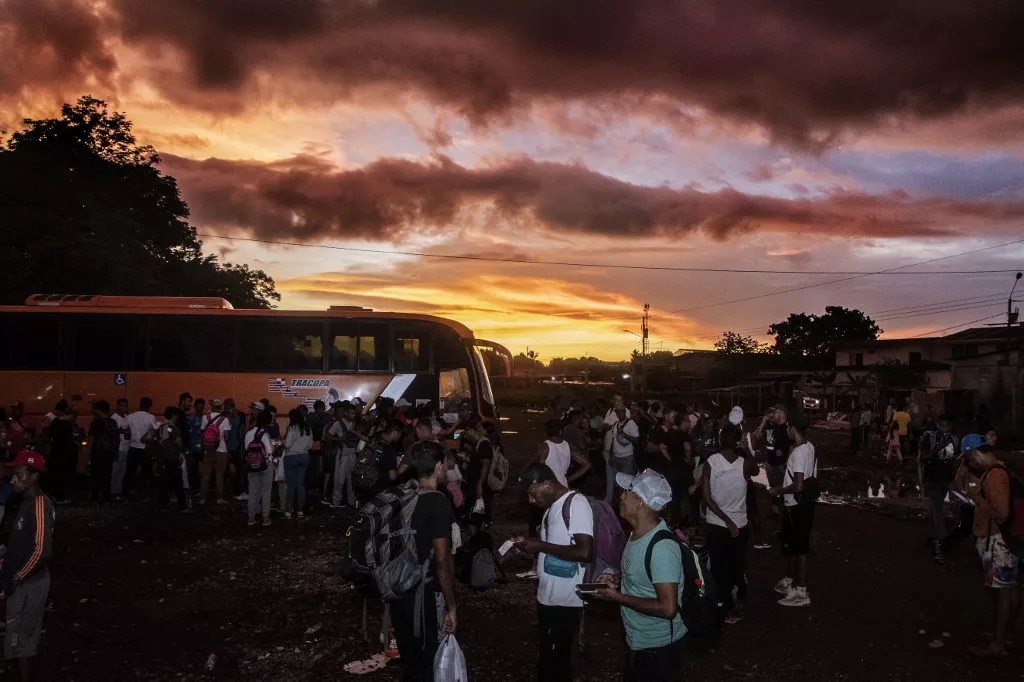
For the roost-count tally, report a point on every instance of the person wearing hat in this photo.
(798, 515)
(565, 546)
(24, 577)
(214, 464)
(649, 601)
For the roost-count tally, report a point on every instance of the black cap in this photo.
(536, 472)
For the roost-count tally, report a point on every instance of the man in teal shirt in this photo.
(649, 598)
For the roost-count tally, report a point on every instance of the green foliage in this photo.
(527, 362)
(85, 210)
(890, 374)
(816, 336)
(733, 343)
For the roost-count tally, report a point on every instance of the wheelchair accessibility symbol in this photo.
(120, 380)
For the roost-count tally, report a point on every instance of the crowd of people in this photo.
(682, 481)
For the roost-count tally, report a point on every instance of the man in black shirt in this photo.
(63, 454)
(938, 450)
(104, 441)
(431, 521)
(385, 455)
(773, 433)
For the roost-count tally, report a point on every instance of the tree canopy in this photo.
(733, 343)
(816, 336)
(84, 210)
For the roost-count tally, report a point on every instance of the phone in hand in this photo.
(590, 588)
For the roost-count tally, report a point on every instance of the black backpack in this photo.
(706, 437)
(699, 605)
(109, 440)
(476, 564)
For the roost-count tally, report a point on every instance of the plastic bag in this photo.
(479, 507)
(449, 663)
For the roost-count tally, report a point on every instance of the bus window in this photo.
(412, 351)
(373, 347)
(453, 384)
(268, 345)
(213, 344)
(35, 343)
(303, 346)
(344, 344)
(103, 344)
(170, 339)
(487, 406)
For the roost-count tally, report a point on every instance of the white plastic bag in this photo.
(449, 663)
(479, 507)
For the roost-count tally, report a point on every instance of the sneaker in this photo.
(244, 497)
(528, 575)
(266, 522)
(784, 586)
(762, 545)
(252, 522)
(222, 502)
(287, 514)
(300, 515)
(796, 597)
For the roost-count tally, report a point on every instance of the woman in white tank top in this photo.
(558, 459)
(724, 481)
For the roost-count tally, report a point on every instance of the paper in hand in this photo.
(505, 547)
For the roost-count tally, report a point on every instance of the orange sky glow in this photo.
(488, 132)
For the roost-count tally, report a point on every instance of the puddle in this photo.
(871, 485)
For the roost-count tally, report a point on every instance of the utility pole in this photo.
(645, 328)
(1011, 317)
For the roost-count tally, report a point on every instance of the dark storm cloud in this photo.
(306, 198)
(51, 43)
(806, 69)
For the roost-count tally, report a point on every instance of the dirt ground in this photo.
(142, 595)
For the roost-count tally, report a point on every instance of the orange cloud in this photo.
(553, 316)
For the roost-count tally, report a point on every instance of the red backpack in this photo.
(256, 453)
(211, 434)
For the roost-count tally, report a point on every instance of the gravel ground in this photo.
(140, 595)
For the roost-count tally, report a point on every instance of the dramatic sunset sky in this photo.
(838, 136)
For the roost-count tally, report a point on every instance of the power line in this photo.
(891, 314)
(964, 324)
(525, 261)
(847, 279)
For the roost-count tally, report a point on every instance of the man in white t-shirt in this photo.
(798, 516)
(121, 463)
(142, 426)
(565, 546)
(624, 436)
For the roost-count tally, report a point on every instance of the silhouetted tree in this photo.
(816, 336)
(83, 209)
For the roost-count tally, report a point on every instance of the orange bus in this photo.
(91, 347)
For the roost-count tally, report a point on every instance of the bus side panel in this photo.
(93, 386)
(38, 390)
(285, 391)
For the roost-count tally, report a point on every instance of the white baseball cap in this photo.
(649, 485)
(736, 415)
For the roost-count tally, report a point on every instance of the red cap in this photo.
(30, 458)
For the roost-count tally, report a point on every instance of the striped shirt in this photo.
(31, 543)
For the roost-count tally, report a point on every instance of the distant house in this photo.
(979, 365)
(856, 362)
